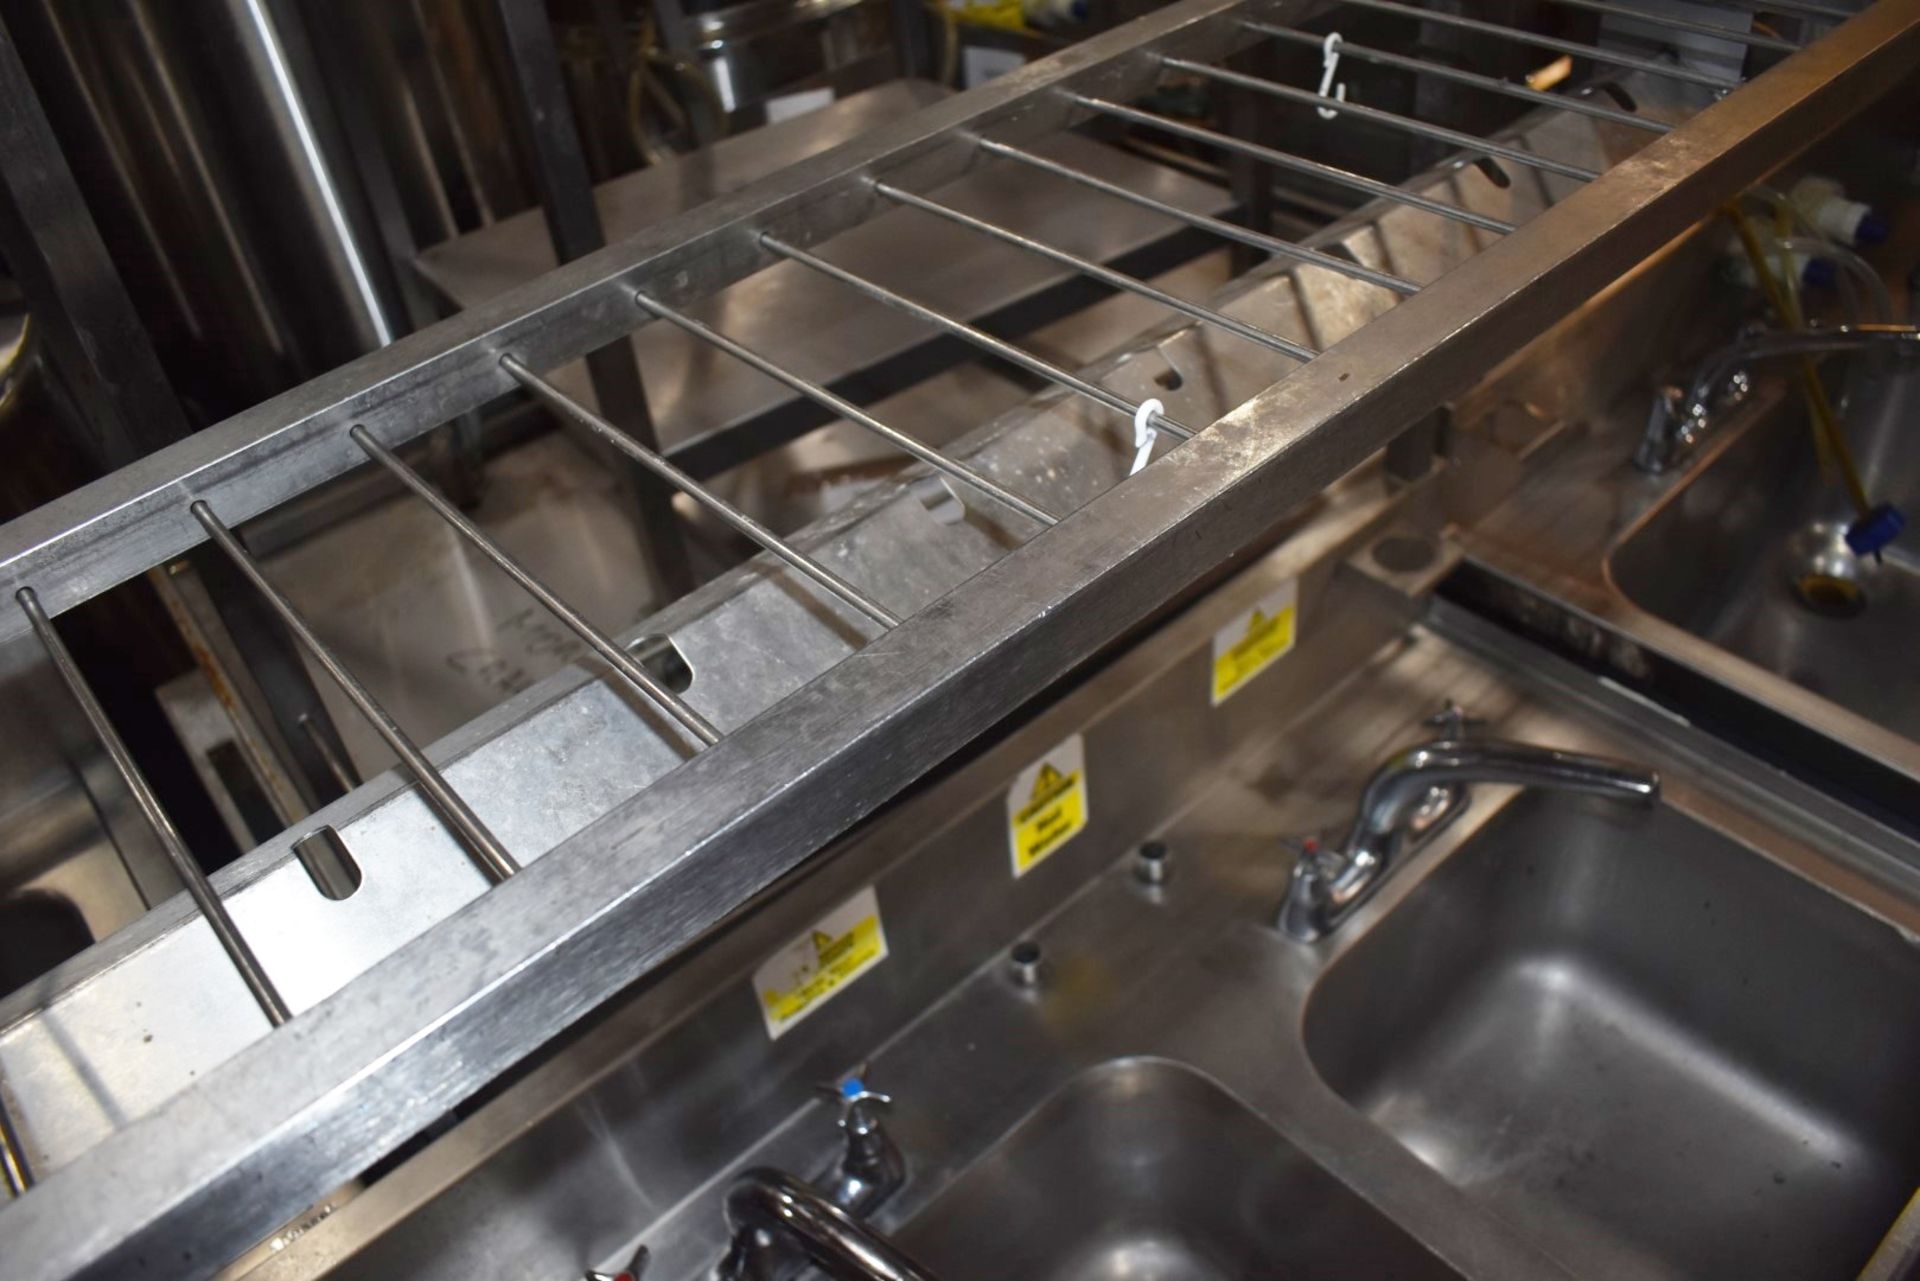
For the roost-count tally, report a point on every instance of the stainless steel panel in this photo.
(1617, 1032)
(445, 1013)
(940, 867)
(1171, 1176)
(1683, 583)
(564, 751)
(630, 1133)
(1721, 556)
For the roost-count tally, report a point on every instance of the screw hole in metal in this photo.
(1151, 864)
(1024, 961)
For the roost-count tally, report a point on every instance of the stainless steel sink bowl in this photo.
(1648, 1047)
(1146, 1170)
(1749, 556)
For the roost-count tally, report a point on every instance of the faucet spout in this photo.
(770, 1203)
(1413, 793)
(1399, 787)
(1680, 419)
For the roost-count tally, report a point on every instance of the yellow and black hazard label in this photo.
(1047, 804)
(1250, 643)
(806, 973)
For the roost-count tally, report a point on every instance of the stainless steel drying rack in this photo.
(309, 1104)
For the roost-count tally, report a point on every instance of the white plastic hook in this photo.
(1329, 64)
(1143, 434)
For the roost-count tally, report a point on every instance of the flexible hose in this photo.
(1827, 434)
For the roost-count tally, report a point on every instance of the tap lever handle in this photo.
(1313, 850)
(858, 1102)
(1452, 720)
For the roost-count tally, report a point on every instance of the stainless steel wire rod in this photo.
(252, 973)
(565, 405)
(1094, 271)
(482, 846)
(1300, 164)
(1593, 53)
(1753, 39)
(14, 1169)
(979, 337)
(1227, 230)
(1385, 119)
(598, 641)
(850, 411)
(342, 771)
(1472, 79)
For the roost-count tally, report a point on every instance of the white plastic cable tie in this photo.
(1329, 64)
(1144, 434)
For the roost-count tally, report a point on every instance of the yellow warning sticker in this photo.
(806, 973)
(1250, 643)
(1047, 804)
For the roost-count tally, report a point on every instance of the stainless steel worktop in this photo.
(1165, 992)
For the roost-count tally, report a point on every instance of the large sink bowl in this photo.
(1648, 1047)
(1145, 1170)
(1741, 554)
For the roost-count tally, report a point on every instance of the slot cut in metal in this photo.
(329, 863)
(659, 655)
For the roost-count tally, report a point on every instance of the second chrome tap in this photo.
(1414, 793)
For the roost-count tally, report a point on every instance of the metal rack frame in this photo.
(224, 1160)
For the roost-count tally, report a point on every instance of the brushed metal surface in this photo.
(1684, 584)
(1644, 1046)
(1720, 558)
(1143, 1168)
(104, 533)
(563, 750)
(443, 1014)
(631, 1134)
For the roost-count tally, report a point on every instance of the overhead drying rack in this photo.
(294, 1110)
